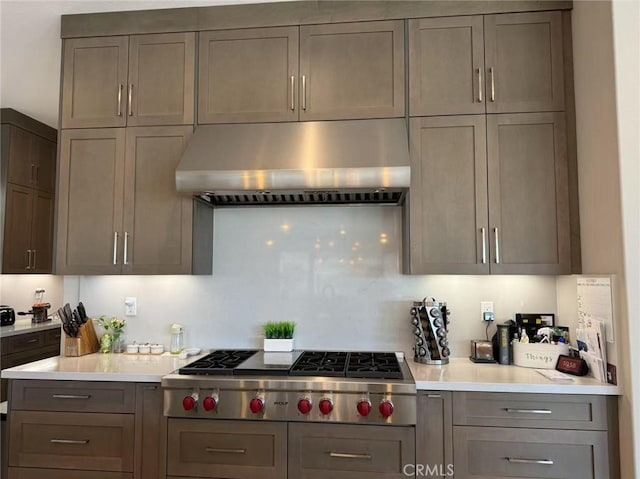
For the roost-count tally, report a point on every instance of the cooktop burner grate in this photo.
(373, 365)
(320, 363)
(222, 361)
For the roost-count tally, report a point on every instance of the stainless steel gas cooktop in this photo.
(329, 386)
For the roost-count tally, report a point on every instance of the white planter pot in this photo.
(278, 345)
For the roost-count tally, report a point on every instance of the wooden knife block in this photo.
(85, 343)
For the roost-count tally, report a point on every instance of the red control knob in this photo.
(386, 408)
(189, 403)
(326, 406)
(304, 406)
(256, 405)
(364, 408)
(209, 403)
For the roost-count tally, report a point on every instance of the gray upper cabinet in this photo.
(507, 63)
(352, 70)
(248, 75)
(501, 212)
(137, 80)
(90, 201)
(528, 194)
(316, 72)
(524, 62)
(118, 210)
(446, 66)
(448, 195)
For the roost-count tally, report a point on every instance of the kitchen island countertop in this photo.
(100, 367)
(463, 375)
(24, 326)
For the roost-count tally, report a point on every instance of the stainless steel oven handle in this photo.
(517, 460)
(224, 451)
(349, 455)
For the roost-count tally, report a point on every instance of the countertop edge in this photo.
(604, 390)
(26, 329)
(70, 376)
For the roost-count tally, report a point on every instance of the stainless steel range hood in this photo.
(328, 162)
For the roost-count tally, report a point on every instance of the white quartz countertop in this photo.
(463, 375)
(100, 367)
(23, 326)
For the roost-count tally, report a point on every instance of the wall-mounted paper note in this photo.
(594, 304)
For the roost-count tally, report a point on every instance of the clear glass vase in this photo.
(117, 342)
(105, 343)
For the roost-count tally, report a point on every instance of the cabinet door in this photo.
(22, 164)
(161, 79)
(94, 82)
(248, 75)
(44, 152)
(434, 433)
(448, 195)
(352, 70)
(446, 66)
(42, 232)
(528, 194)
(148, 427)
(157, 220)
(17, 230)
(523, 55)
(90, 201)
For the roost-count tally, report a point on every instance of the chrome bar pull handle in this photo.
(33, 177)
(517, 460)
(304, 92)
(120, 99)
(33, 266)
(479, 85)
(129, 107)
(126, 248)
(71, 396)
(497, 238)
(115, 248)
(493, 85)
(69, 441)
(293, 93)
(528, 411)
(484, 245)
(225, 451)
(349, 455)
(29, 252)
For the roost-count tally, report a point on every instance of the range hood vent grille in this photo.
(316, 197)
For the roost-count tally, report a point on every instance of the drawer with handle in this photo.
(20, 342)
(500, 453)
(320, 451)
(29, 473)
(102, 442)
(229, 449)
(554, 411)
(76, 396)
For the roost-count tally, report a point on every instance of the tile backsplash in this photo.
(335, 271)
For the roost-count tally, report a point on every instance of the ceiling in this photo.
(30, 47)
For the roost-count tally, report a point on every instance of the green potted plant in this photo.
(278, 336)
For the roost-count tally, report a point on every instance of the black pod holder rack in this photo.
(430, 323)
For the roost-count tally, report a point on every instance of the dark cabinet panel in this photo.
(22, 165)
(149, 453)
(17, 254)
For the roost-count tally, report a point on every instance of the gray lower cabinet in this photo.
(318, 451)
(118, 210)
(506, 63)
(227, 449)
(550, 436)
(311, 72)
(434, 441)
(85, 430)
(129, 81)
(489, 198)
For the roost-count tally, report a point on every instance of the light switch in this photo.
(131, 306)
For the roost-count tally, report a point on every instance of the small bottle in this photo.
(177, 339)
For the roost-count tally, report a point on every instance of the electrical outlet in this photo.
(486, 310)
(131, 306)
